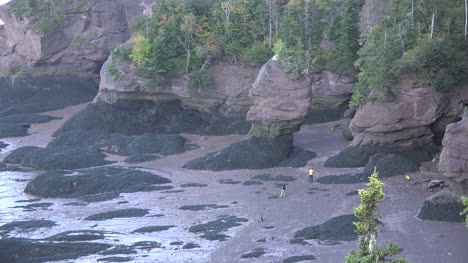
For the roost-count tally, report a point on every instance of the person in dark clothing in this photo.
(283, 191)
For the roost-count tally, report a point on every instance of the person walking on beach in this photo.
(283, 191)
(311, 176)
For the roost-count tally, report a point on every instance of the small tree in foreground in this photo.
(465, 212)
(368, 213)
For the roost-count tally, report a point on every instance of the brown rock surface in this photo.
(453, 160)
(330, 89)
(229, 94)
(78, 46)
(280, 104)
(407, 120)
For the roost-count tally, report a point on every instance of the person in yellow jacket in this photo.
(311, 176)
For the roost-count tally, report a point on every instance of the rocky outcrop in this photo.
(280, 104)
(453, 161)
(228, 95)
(442, 206)
(79, 45)
(407, 125)
(330, 95)
(406, 121)
(371, 13)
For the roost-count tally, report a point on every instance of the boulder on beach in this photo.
(137, 117)
(127, 145)
(442, 206)
(25, 250)
(254, 153)
(60, 157)
(388, 165)
(358, 156)
(91, 181)
(340, 228)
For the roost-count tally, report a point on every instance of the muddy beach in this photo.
(227, 216)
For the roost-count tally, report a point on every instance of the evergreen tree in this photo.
(368, 214)
(345, 34)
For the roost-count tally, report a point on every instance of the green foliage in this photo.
(256, 55)
(465, 203)
(140, 51)
(368, 214)
(24, 8)
(345, 33)
(112, 69)
(440, 61)
(200, 81)
(294, 60)
(402, 44)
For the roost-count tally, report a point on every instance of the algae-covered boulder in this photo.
(139, 117)
(388, 165)
(340, 228)
(253, 153)
(442, 206)
(59, 157)
(12, 130)
(91, 181)
(25, 250)
(358, 156)
(165, 144)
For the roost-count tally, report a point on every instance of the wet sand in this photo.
(305, 205)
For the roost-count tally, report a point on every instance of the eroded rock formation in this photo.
(280, 104)
(77, 46)
(453, 160)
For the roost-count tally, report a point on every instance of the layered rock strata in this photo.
(453, 161)
(280, 107)
(77, 46)
(407, 125)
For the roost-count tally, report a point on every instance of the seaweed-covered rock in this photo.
(24, 250)
(136, 117)
(340, 228)
(28, 94)
(354, 178)
(253, 153)
(295, 259)
(256, 253)
(122, 213)
(442, 206)
(358, 156)
(77, 235)
(165, 144)
(12, 130)
(3, 145)
(212, 230)
(17, 155)
(150, 229)
(27, 118)
(116, 259)
(78, 183)
(60, 157)
(140, 158)
(33, 224)
(388, 165)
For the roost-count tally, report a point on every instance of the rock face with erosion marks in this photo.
(453, 161)
(128, 103)
(78, 44)
(407, 124)
(442, 206)
(330, 95)
(280, 104)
